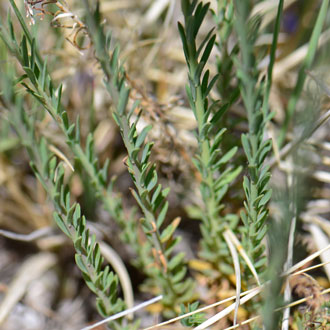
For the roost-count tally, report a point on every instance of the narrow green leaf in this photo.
(179, 276)
(246, 186)
(31, 76)
(151, 185)
(213, 81)
(208, 49)
(98, 260)
(90, 283)
(25, 53)
(141, 137)
(138, 199)
(132, 132)
(123, 100)
(200, 14)
(33, 54)
(59, 97)
(205, 131)
(184, 41)
(77, 212)
(171, 245)
(44, 75)
(265, 198)
(208, 36)
(169, 230)
(217, 140)
(117, 119)
(205, 81)
(162, 215)
(246, 147)
(217, 116)
(146, 152)
(198, 73)
(114, 60)
(69, 133)
(135, 105)
(80, 263)
(61, 224)
(22, 21)
(156, 194)
(262, 216)
(147, 174)
(65, 120)
(176, 261)
(226, 157)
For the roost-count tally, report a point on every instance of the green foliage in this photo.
(256, 147)
(38, 82)
(192, 320)
(212, 164)
(224, 20)
(29, 94)
(170, 270)
(67, 215)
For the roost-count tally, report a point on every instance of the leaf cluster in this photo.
(67, 215)
(169, 269)
(256, 147)
(210, 161)
(192, 320)
(38, 82)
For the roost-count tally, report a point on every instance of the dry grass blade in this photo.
(155, 10)
(305, 270)
(295, 303)
(119, 267)
(226, 311)
(288, 264)
(29, 237)
(318, 220)
(305, 261)
(124, 313)
(234, 255)
(30, 271)
(61, 155)
(244, 255)
(178, 318)
(321, 240)
(253, 292)
(322, 176)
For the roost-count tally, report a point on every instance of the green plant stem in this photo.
(209, 160)
(112, 202)
(142, 172)
(147, 208)
(272, 56)
(255, 185)
(68, 216)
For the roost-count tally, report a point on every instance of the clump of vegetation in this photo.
(174, 156)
